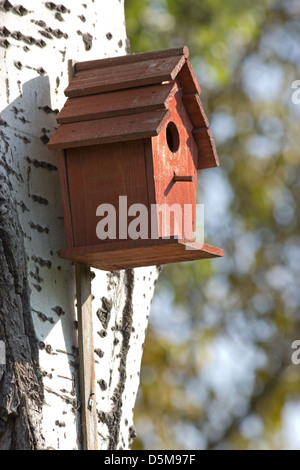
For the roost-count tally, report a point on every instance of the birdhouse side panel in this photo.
(98, 176)
(175, 156)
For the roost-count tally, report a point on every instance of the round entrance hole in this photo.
(172, 137)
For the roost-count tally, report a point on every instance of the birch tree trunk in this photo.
(39, 396)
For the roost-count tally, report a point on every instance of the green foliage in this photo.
(217, 370)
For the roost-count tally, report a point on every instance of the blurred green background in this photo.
(217, 370)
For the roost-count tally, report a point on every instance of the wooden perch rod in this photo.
(183, 178)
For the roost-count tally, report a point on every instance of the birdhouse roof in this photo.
(126, 98)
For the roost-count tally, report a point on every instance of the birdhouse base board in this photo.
(118, 255)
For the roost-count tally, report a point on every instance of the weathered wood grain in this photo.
(117, 77)
(132, 58)
(124, 255)
(99, 175)
(208, 157)
(118, 103)
(118, 129)
(86, 357)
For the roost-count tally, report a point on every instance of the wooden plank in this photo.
(85, 330)
(63, 177)
(195, 110)
(132, 58)
(86, 357)
(99, 175)
(123, 255)
(76, 196)
(117, 77)
(182, 161)
(118, 129)
(183, 178)
(187, 79)
(207, 157)
(149, 155)
(150, 179)
(118, 103)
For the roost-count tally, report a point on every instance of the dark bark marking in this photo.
(23, 207)
(87, 40)
(60, 8)
(23, 120)
(25, 139)
(113, 418)
(44, 138)
(127, 46)
(39, 199)
(58, 310)
(38, 227)
(40, 164)
(36, 275)
(5, 5)
(132, 433)
(20, 10)
(48, 110)
(58, 17)
(16, 35)
(49, 33)
(46, 34)
(4, 43)
(60, 424)
(103, 313)
(39, 23)
(50, 5)
(27, 39)
(41, 262)
(47, 347)
(4, 32)
(10, 171)
(18, 64)
(40, 43)
(99, 353)
(37, 287)
(59, 34)
(16, 111)
(41, 71)
(43, 317)
(75, 404)
(102, 385)
(102, 333)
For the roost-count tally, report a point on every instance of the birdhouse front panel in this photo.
(100, 174)
(175, 158)
(131, 137)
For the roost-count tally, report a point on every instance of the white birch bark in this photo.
(39, 401)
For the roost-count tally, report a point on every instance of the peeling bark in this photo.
(21, 387)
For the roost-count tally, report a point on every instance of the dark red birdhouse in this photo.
(132, 136)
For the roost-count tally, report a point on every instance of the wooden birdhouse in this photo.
(131, 138)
